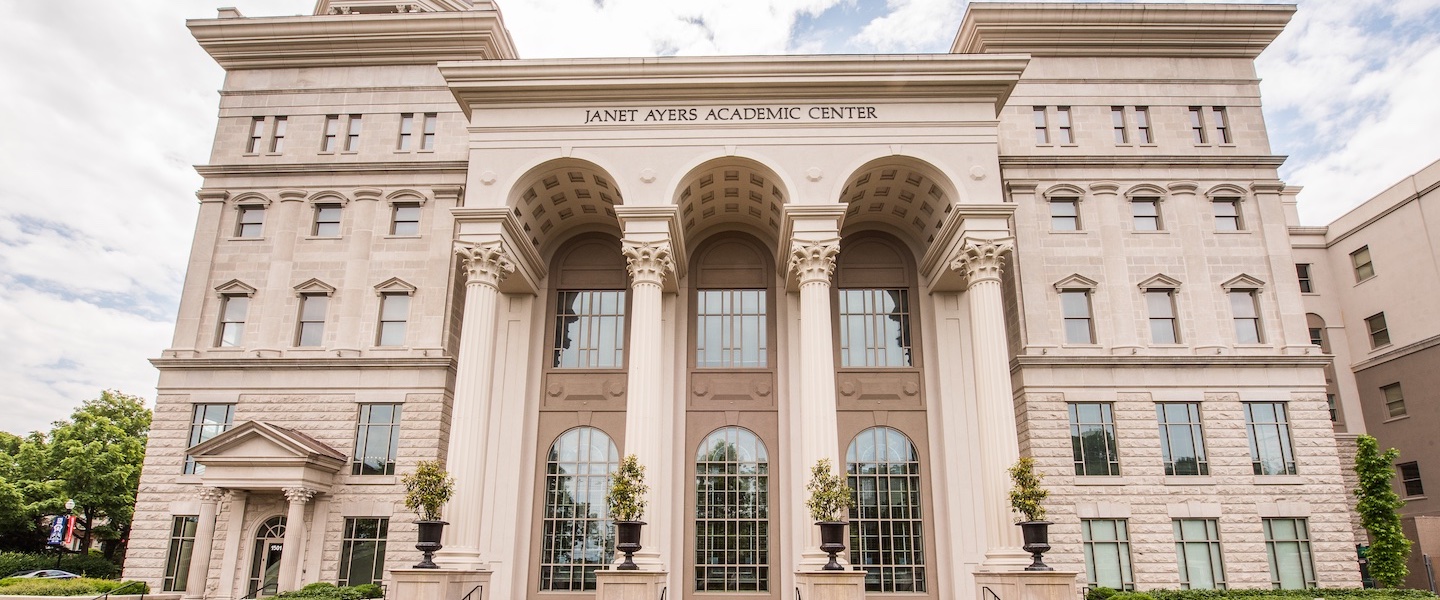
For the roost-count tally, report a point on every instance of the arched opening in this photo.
(733, 303)
(886, 521)
(735, 192)
(578, 536)
(562, 195)
(589, 304)
(902, 194)
(874, 284)
(732, 512)
(265, 560)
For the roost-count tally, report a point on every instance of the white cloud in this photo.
(913, 26)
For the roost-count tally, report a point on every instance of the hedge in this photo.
(1101, 593)
(93, 564)
(328, 591)
(84, 586)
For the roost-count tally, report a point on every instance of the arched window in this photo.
(265, 561)
(873, 304)
(579, 537)
(732, 330)
(885, 522)
(732, 521)
(589, 305)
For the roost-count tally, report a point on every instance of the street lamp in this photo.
(60, 548)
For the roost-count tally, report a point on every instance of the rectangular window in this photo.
(394, 317)
(1107, 553)
(1117, 123)
(377, 440)
(1247, 317)
(1197, 551)
(207, 421)
(327, 221)
(1394, 400)
(251, 222)
(1410, 478)
(1182, 438)
(590, 330)
(1042, 132)
(1317, 336)
(1379, 332)
(232, 320)
(352, 133)
(875, 328)
(1142, 125)
(730, 329)
(362, 551)
(427, 134)
(1064, 214)
(277, 139)
(1062, 122)
(1302, 272)
(1075, 306)
(1092, 439)
(257, 132)
(1147, 214)
(332, 133)
(1330, 402)
(1268, 428)
(1221, 123)
(407, 122)
(1287, 545)
(405, 219)
(1227, 214)
(1360, 259)
(1164, 328)
(177, 557)
(1197, 125)
(310, 329)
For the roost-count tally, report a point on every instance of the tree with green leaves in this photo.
(1379, 507)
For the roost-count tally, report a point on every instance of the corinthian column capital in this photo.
(299, 495)
(210, 494)
(982, 260)
(648, 262)
(485, 263)
(813, 262)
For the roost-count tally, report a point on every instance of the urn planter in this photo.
(428, 542)
(832, 542)
(1037, 542)
(628, 542)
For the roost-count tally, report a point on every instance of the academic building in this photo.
(1064, 239)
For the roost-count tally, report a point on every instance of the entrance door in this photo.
(265, 561)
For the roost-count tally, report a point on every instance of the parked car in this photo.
(45, 574)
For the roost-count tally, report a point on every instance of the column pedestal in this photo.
(440, 584)
(1026, 585)
(832, 585)
(629, 585)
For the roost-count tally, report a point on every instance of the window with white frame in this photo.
(277, 135)
(1245, 310)
(377, 439)
(362, 551)
(1117, 124)
(1146, 213)
(731, 329)
(1063, 133)
(1143, 134)
(1394, 400)
(1197, 125)
(330, 139)
(1042, 128)
(257, 133)
(427, 132)
(405, 218)
(1227, 214)
(310, 327)
(352, 133)
(1107, 553)
(233, 309)
(1302, 273)
(1410, 479)
(407, 125)
(250, 221)
(1064, 214)
(327, 220)
(1360, 260)
(1268, 428)
(589, 329)
(1092, 439)
(394, 319)
(1287, 546)
(874, 327)
(1379, 331)
(177, 557)
(1197, 553)
(1164, 327)
(1075, 309)
(1182, 438)
(1221, 122)
(207, 421)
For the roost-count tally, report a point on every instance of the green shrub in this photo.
(1310, 594)
(370, 590)
(93, 564)
(1100, 593)
(1132, 596)
(328, 591)
(84, 586)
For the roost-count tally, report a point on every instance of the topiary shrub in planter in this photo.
(626, 502)
(829, 498)
(1025, 498)
(426, 492)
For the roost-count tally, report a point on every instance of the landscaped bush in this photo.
(87, 565)
(84, 586)
(328, 591)
(1310, 594)
(1100, 593)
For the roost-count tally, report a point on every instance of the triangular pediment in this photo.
(234, 287)
(261, 456)
(262, 441)
(394, 285)
(1243, 282)
(315, 286)
(1160, 281)
(1076, 282)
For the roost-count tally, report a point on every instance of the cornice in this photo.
(364, 168)
(353, 40)
(1198, 30)
(302, 364)
(1402, 351)
(1149, 160)
(752, 79)
(1139, 362)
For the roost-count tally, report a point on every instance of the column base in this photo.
(811, 559)
(629, 585)
(648, 560)
(1005, 559)
(1026, 585)
(460, 559)
(833, 585)
(440, 584)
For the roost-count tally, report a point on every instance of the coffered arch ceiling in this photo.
(562, 196)
(731, 191)
(907, 194)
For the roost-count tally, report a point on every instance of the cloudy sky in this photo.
(106, 105)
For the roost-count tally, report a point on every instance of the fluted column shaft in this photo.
(981, 262)
(204, 543)
(812, 263)
(649, 263)
(289, 576)
(486, 266)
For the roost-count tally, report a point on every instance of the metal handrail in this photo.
(255, 592)
(797, 593)
(106, 595)
(989, 593)
(478, 588)
(662, 592)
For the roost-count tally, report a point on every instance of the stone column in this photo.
(486, 265)
(204, 542)
(290, 550)
(812, 263)
(980, 262)
(649, 263)
(234, 536)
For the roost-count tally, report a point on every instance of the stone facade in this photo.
(921, 176)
